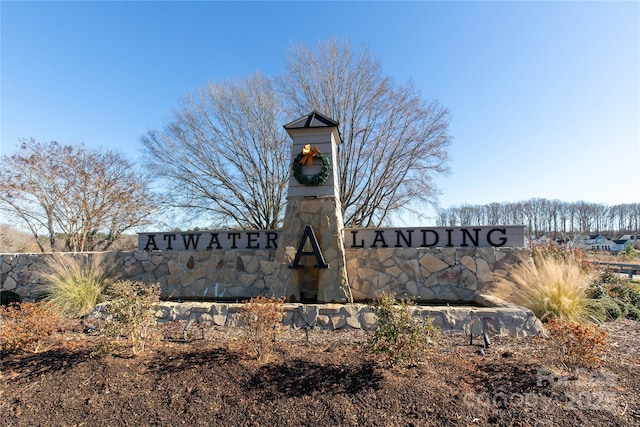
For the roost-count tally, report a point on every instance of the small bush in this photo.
(634, 294)
(603, 280)
(130, 310)
(618, 295)
(263, 319)
(551, 286)
(625, 292)
(604, 309)
(629, 252)
(75, 284)
(632, 313)
(26, 326)
(577, 345)
(399, 337)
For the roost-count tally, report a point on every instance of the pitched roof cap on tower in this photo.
(312, 120)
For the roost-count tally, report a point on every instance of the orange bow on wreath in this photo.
(308, 154)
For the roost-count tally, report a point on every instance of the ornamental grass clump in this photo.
(553, 285)
(400, 338)
(551, 250)
(75, 284)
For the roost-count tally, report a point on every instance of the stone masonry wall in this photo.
(439, 274)
(434, 274)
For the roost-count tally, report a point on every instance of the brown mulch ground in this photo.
(323, 379)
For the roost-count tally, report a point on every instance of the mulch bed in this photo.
(317, 378)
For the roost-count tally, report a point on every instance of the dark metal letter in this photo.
(309, 235)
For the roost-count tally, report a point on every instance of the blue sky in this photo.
(544, 96)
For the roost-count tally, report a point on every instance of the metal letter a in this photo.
(309, 235)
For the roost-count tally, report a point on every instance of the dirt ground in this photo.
(316, 379)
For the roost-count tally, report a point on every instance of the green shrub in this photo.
(604, 309)
(606, 278)
(614, 296)
(75, 284)
(617, 308)
(632, 313)
(399, 337)
(628, 251)
(634, 294)
(130, 310)
(622, 292)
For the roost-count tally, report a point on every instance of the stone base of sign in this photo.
(309, 283)
(425, 274)
(501, 319)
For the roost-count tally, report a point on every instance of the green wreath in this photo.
(313, 180)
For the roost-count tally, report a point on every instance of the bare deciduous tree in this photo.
(225, 154)
(87, 196)
(393, 141)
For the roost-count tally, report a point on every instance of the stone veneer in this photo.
(438, 274)
(309, 283)
(503, 319)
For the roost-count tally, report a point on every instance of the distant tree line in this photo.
(548, 217)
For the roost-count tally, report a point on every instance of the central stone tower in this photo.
(310, 260)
